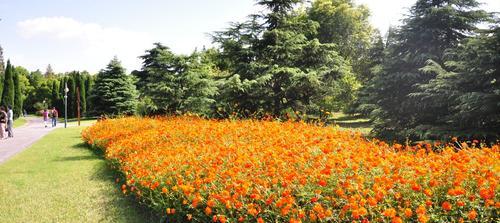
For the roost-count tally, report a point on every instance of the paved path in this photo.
(24, 136)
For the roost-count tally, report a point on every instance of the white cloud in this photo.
(98, 44)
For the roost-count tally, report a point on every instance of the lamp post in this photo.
(65, 104)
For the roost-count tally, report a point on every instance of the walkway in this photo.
(24, 136)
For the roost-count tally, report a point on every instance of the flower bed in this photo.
(190, 169)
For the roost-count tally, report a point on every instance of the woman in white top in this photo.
(10, 121)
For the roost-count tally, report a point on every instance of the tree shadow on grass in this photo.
(128, 204)
(78, 158)
(355, 124)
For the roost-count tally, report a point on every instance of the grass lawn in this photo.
(59, 180)
(19, 122)
(352, 122)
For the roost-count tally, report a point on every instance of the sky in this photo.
(87, 34)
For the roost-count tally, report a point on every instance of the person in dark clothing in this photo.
(55, 116)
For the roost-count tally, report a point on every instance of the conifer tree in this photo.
(467, 84)
(18, 99)
(280, 66)
(72, 94)
(83, 92)
(56, 95)
(89, 84)
(113, 92)
(8, 93)
(176, 83)
(431, 27)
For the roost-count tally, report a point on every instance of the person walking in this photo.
(3, 121)
(45, 115)
(55, 115)
(10, 121)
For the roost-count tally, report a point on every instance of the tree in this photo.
(49, 72)
(431, 27)
(89, 84)
(346, 25)
(71, 82)
(83, 90)
(8, 86)
(468, 86)
(24, 82)
(113, 92)
(278, 66)
(56, 95)
(35, 93)
(18, 99)
(176, 83)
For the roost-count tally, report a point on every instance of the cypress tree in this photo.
(8, 92)
(18, 99)
(89, 82)
(114, 92)
(56, 98)
(72, 95)
(83, 99)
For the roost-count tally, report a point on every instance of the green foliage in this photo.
(176, 83)
(18, 99)
(113, 92)
(8, 92)
(346, 25)
(429, 29)
(83, 92)
(71, 82)
(89, 84)
(468, 86)
(279, 65)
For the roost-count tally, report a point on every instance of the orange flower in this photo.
(428, 192)
(397, 220)
(390, 213)
(446, 206)
(421, 210)
(208, 210)
(472, 215)
(408, 212)
(252, 167)
(423, 218)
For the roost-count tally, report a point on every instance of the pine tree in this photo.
(113, 92)
(468, 85)
(432, 27)
(280, 66)
(176, 83)
(8, 93)
(18, 99)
